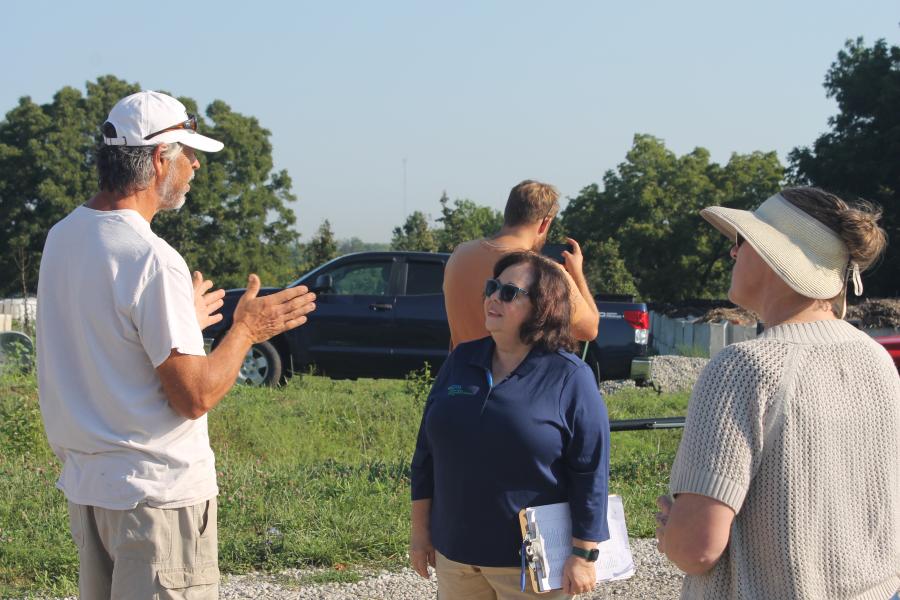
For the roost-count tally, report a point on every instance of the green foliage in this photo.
(236, 219)
(320, 249)
(17, 357)
(21, 431)
(858, 157)
(315, 473)
(605, 270)
(650, 206)
(465, 221)
(419, 382)
(460, 222)
(36, 550)
(414, 235)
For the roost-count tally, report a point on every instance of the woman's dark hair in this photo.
(550, 325)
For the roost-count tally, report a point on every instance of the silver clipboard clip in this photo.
(533, 554)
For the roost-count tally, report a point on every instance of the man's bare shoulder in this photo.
(467, 247)
(464, 252)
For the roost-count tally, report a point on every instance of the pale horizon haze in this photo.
(475, 96)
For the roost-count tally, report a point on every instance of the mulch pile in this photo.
(736, 315)
(705, 311)
(879, 313)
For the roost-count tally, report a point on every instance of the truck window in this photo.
(424, 277)
(364, 279)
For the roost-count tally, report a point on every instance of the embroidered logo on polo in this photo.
(462, 390)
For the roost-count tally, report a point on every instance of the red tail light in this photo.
(639, 319)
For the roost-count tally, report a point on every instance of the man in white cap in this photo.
(124, 381)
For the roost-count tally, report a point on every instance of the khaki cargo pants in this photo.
(146, 553)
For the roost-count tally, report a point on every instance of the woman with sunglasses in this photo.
(513, 420)
(787, 479)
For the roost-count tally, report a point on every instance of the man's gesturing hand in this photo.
(268, 316)
(205, 302)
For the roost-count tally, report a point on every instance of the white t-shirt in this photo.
(113, 301)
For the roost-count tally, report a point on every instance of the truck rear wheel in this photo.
(262, 366)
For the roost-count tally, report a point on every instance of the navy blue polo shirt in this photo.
(488, 449)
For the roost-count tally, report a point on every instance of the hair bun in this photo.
(860, 231)
(856, 224)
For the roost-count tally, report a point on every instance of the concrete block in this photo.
(718, 337)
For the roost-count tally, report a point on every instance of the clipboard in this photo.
(547, 543)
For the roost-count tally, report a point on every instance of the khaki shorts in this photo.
(146, 553)
(458, 581)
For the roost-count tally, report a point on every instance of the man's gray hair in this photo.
(128, 169)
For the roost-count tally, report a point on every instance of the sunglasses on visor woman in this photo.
(508, 291)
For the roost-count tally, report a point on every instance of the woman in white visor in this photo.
(787, 480)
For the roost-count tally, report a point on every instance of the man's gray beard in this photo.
(170, 199)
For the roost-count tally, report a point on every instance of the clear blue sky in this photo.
(476, 95)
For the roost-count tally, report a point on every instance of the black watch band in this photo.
(588, 555)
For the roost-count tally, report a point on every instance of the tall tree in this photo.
(859, 157)
(463, 221)
(650, 207)
(415, 234)
(322, 247)
(605, 269)
(235, 220)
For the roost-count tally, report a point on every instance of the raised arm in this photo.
(585, 316)
(195, 384)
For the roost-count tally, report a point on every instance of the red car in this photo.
(892, 343)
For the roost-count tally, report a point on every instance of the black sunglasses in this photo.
(508, 291)
(191, 124)
(738, 240)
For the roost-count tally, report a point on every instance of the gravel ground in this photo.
(614, 385)
(654, 577)
(670, 373)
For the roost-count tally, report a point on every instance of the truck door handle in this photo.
(381, 306)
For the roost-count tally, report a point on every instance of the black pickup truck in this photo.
(381, 314)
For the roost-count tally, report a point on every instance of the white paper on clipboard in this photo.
(549, 531)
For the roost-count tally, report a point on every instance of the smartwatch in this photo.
(588, 555)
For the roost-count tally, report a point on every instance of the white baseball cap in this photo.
(149, 118)
(811, 258)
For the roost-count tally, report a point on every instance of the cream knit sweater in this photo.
(799, 432)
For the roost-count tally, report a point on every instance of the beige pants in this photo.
(146, 553)
(457, 581)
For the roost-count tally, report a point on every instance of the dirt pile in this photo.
(878, 313)
(736, 315)
(705, 311)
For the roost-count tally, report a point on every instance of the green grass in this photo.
(312, 474)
